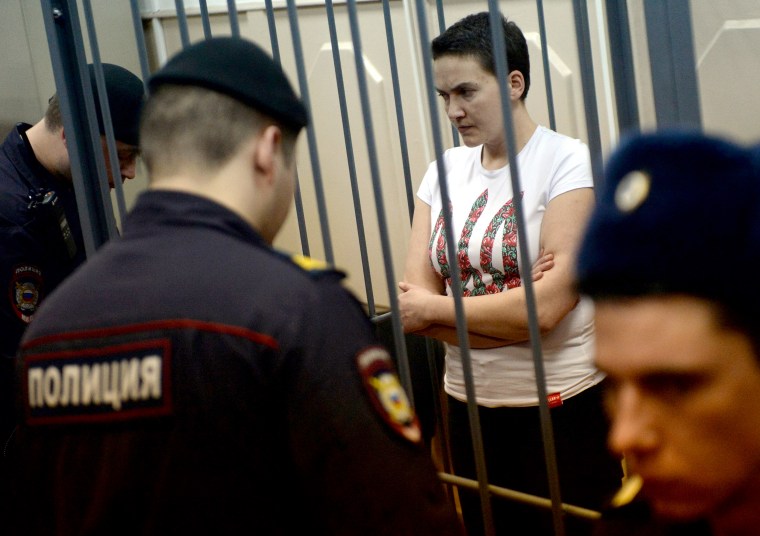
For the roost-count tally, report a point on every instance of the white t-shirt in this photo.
(486, 230)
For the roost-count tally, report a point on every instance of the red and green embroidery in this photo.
(509, 278)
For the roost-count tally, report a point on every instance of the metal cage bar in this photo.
(401, 355)
(462, 334)
(674, 74)
(590, 107)
(234, 22)
(184, 32)
(205, 21)
(310, 134)
(624, 75)
(502, 70)
(351, 160)
(300, 216)
(105, 110)
(79, 119)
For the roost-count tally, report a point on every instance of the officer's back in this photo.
(190, 379)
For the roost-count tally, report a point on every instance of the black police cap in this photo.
(679, 212)
(126, 94)
(240, 69)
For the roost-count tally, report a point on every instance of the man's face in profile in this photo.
(683, 403)
(127, 160)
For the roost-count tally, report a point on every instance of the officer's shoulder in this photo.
(314, 268)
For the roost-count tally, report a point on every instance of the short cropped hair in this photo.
(190, 127)
(53, 117)
(471, 36)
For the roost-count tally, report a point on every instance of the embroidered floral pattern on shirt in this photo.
(509, 277)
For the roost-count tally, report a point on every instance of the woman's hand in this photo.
(544, 263)
(413, 303)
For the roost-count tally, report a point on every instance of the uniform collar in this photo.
(22, 156)
(180, 209)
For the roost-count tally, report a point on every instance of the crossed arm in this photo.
(497, 319)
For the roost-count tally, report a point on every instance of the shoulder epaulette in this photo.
(315, 266)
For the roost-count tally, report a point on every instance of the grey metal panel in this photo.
(674, 74)
(621, 56)
(590, 107)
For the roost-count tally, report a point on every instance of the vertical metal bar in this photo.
(621, 55)
(547, 66)
(105, 111)
(502, 73)
(398, 331)
(674, 75)
(273, 32)
(182, 20)
(441, 18)
(300, 217)
(588, 83)
(442, 28)
(72, 82)
(311, 136)
(462, 334)
(399, 108)
(142, 50)
(234, 23)
(502, 70)
(439, 410)
(205, 20)
(350, 156)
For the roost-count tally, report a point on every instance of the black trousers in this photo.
(589, 475)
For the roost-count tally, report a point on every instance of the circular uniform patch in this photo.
(386, 393)
(24, 290)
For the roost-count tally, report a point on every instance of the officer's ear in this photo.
(265, 154)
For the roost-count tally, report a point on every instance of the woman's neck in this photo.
(496, 156)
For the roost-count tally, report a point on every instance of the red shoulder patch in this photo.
(386, 393)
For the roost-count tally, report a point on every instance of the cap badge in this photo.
(632, 191)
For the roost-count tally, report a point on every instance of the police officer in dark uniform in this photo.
(208, 384)
(40, 234)
(670, 258)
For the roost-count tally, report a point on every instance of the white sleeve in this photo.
(429, 185)
(572, 168)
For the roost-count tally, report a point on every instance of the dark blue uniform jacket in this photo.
(190, 380)
(32, 259)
